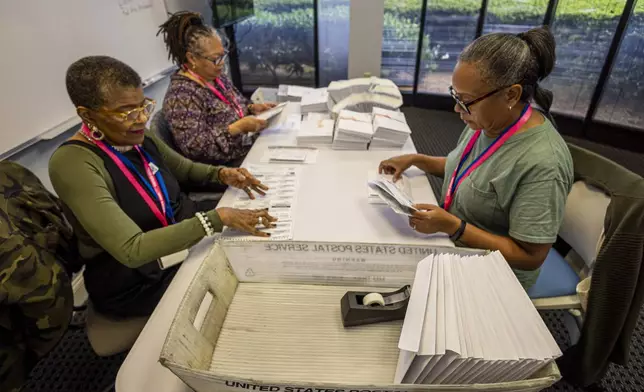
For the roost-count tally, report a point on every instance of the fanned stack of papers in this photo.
(316, 129)
(402, 184)
(288, 93)
(365, 102)
(289, 118)
(393, 196)
(280, 200)
(315, 101)
(273, 112)
(339, 90)
(469, 321)
(353, 131)
(390, 129)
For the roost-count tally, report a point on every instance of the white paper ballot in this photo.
(270, 113)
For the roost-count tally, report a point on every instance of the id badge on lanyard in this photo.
(456, 180)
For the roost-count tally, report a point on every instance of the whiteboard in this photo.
(42, 38)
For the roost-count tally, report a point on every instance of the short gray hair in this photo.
(525, 58)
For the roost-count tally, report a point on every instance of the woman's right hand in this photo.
(396, 165)
(246, 220)
(248, 124)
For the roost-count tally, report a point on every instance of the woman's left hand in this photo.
(242, 179)
(430, 219)
(257, 108)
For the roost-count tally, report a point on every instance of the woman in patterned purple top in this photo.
(208, 116)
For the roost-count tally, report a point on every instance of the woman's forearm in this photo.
(432, 165)
(519, 255)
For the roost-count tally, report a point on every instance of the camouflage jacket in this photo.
(35, 290)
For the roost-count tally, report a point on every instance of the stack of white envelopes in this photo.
(353, 131)
(315, 101)
(316, 129)
(288, 93)
(469, 321)
(390, 129)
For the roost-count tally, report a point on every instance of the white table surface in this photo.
(331, 206)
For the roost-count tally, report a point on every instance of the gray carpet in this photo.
(73, 367)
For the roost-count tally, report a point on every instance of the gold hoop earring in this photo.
(95, 133)
(194, 66)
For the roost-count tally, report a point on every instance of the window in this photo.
(276, 45)
(333, 37)
(514, 16)
(623, 97)
(400, 41)
(584, 31)
(449, 27)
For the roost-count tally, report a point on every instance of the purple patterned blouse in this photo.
(199, 121)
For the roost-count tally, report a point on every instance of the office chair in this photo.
(160, 127)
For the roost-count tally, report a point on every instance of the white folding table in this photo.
(331, 206)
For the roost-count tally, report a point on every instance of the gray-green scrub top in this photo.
(520, 191)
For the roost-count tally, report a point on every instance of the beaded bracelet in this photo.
(205, 222)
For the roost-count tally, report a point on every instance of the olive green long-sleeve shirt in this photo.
(85, 186)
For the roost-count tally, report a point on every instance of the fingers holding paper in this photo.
(258, 108)
(430, 219)
(396, 166)
(247, 220)
(242, 179)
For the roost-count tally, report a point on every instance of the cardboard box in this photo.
(288, 337)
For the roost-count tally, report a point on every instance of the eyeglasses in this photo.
(132, 115)
(466, 105)
(216, 61)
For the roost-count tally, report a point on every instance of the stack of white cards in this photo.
(402, 184)
(315, 101)
(316, 129)
(353, 131)
(469, 321)
(288, 93)
(390, 129)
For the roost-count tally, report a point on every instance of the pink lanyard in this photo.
(128, 174)
(235, 104)
(456, 180)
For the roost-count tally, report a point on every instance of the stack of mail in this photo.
(288, 93)
(353, 131)
(469, 321)
(365, 102)
(397, 198)
(402, 184)
(390, 129)
(316, 129)
(315, 101)
(341, 89)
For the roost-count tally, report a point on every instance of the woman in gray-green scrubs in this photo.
(507, 180)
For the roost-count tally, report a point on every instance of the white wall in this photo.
(36, 157)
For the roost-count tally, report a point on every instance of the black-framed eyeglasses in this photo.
(466, 105)
(217, 60)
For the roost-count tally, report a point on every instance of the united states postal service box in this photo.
(237, 330)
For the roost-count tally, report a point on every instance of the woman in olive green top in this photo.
(121, 188)
(508, 192)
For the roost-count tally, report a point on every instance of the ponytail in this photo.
(181, 32)
(542, 47)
